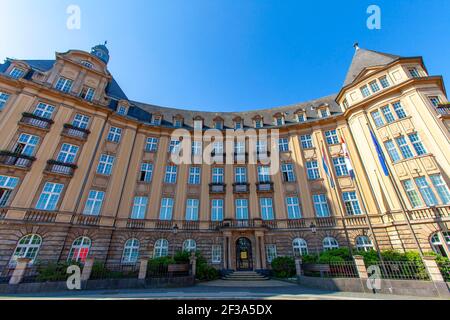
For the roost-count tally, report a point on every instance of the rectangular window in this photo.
(374, 86)
(3, 99)
(217, 209)
(240, 175)
(218, 125)
(392, 150)
(178, 123)
(412, 194)
(44, 110)
(68, 153)
(94, 203)
(441, 188)
(174, 146)
(7, 185)
(301, 117)
(241, 209)
(351, 203)
(156, 120)
(340, 166)
(171, 174)
(306, 141)
(261, 146)
(404, 147)
(151, 145)
(413, 72)
(237, 125)
(105, 164)
(198, 124)
(146, 172)
(283, 145)
(377, 118)
(87, 93)
(263, 174)
(239, 147)
(17, 73)
(266, 207)
(196, 148)
(165, 212)
(81, 121)
(218, 147)
(216, 253)
(26, 144)
(365, 91)
(217, 175)
(288, 172)
(417, 144)
(258, 124)
(312, 170)
(48, 200)
(293, 208)
(388, 114)
(331, 137)
(139, 208)
(324, 113)
(192, 209)
(426, 192)
(384, 82)
(122, 110)
(435, 101)
(345, 104)
(271, 252)
(399, 111)
(194, 175)
(64, 85)
(114, 134)
(321, 205)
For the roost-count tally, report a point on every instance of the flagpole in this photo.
(396, 189)
(360, 196)
(337, 198)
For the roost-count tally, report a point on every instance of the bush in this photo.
(159, 265)
(335, 255)
(204, 271)
(309, 258)
(53, 271)
(283, 267)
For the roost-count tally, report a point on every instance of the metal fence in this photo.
(403, 270)
(444, 267)
(114, 271)
(341, 269)
(168, 271)
(6, 275)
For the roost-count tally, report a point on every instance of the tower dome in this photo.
(101, 51)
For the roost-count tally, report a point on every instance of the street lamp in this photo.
(312, 226)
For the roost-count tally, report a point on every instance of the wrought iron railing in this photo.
(217, 188)
(114, 271)
(444, 267)
(36, 121)
(337, 269)
(59, 167)
(403, 270)
(40, 216)
(241, 187)
(75, 132)
(16, 159)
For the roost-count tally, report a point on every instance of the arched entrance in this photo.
(244, 260)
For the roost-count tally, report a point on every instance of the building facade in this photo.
(85, 171)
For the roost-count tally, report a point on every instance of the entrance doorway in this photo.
(244, 259)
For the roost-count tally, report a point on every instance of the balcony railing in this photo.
(59, 167)
(16, 159)
(430, 213)
(3, 212)
(75, 132)
(241, 187)
(135, 223)
(190, 225)
(36, 121)
(40, 216)
(86, 220)
(264, 186)
(217, 187)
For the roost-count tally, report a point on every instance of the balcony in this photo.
(58, 167)
(36, 121)
(40, 216)
(217, 188)
(233, 223)
(164, 224)
(15, 159)
(191, 225)
(75, 132)
(241, 187)
(264, 186)
(443, 109)
(86, 220)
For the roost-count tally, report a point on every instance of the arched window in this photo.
(189, 245)
(130, 251)
(438, 246)
(80, 249)
(330, 243)
(300, 247)
(363, 243)
(27, 247)
(161, 248)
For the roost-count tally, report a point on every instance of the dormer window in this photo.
(178, 122)
(218, 124)
(64, 84)
(198, 124)
(324, 112)
(279, 121)
(238, 125)
(122, 110)
(17, 73)
(365, 91)
(258, 123)
(87, 64)
(414, 72)
(87, 93)
(156, 120)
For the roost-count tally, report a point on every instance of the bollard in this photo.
(19, 271)
(298, 266)
(143, 269)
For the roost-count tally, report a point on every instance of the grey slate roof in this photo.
(364, 58)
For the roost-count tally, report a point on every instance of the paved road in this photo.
(216, 291)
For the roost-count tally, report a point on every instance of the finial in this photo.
(356, 46)
(106, 42)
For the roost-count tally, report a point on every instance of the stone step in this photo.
(245, 276)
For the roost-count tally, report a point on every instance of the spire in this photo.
(363, 59)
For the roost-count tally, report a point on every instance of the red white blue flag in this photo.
(348, 163)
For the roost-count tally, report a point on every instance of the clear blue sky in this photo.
(228, 55)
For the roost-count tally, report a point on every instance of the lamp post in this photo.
(174, 231)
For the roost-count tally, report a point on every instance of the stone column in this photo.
(143, 269)
(298, 266)
(263, 253)
(193, 263)
(258, 251)
(19, 271)
(360, 267)
(87, 269)
(432, 269)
